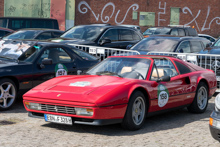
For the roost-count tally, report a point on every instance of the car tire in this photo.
(136, 112)
(8, 93)
(200, 101)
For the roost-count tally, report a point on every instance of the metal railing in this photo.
(102, 52)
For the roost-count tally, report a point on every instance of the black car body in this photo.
(5, 31)
(25, 64)
(214, 122)
(171, 30)
(34, 33)
(101, 35)
(171, 44)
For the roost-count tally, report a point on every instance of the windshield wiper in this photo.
(108, 73)
(9, 58)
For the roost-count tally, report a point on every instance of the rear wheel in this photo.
(8, 93)
(200, 101)
(136, 111)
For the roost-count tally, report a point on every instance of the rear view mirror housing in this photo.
(164, 79)
(104, 41)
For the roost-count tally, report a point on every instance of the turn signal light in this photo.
(211, 121)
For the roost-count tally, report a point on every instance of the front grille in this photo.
(58, 109)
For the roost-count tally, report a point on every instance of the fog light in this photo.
(33, 106)
(84, 111)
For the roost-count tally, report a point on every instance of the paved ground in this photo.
(174, 129)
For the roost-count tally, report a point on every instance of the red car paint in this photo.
(108, 96)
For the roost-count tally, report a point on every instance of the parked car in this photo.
(212, 39)
(214, 121)
(35, 33)
(25, 64)
(16, 23)
(122, 89)
(176, 30)
(5, 31)
(171, 44)
(101, 35)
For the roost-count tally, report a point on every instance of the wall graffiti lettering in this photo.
(106, 19)
(164, 12)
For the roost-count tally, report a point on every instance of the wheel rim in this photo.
(202, 98)
(138, 110)
(7, 94)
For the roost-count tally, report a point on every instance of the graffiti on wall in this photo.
(105, 18)
(185, 10)
(216, 19)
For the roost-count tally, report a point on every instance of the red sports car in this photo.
(122, 89)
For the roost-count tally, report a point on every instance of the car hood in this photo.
(82, 88)
(72, 41)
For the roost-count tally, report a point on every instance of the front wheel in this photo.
(8, 93)
(135, 113)
(200, 101)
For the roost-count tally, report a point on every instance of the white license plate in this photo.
(92, 50)
(58, 119)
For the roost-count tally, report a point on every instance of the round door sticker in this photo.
(163, 95)
(60, 70)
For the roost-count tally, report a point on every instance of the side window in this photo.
(21, 23)
(196, 46)
(163, 67)
(125, 35)
(135, 36)
(182, 68)
(174, 32)
(39, 23)
(181, 32)
(3, 33)
(56, 34)
(58, 55)
(111, 34)
(45, 35)
(184, 47)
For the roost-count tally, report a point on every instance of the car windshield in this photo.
(21, 51)
(149, 31)
(156, 44)
(162, 31)
(89, 33)
(27, 34)
(217, 43)
(84, 55)
(134, 68)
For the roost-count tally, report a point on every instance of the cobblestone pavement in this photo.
(174, 129)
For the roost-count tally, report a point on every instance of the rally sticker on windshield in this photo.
(163, 95)
(80, 84)
(60, 70)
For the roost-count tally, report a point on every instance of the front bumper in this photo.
(84, 121)
(215, 125)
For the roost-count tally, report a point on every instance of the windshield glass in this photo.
(83, 32)
(217, 43)
(156, 44)
(162, 31)
(149, 31)
(22, 35)
(135, 68)
(15, 50)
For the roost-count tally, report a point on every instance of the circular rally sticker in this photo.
(163, 95)
(60, 70)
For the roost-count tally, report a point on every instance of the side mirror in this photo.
(104, 41)
(46, 62)
(129, 46)
(209, 44)
(164, 79)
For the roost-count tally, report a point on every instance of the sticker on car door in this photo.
(163, 95)
(60, 70)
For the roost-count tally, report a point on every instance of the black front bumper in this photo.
(93, 122)
(214, 128)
